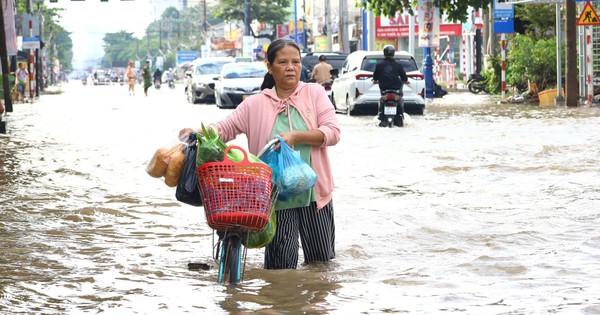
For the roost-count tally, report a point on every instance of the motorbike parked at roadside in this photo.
(477, 83)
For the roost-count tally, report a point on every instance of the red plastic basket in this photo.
(235, 195)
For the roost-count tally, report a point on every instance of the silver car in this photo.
(238, 81)
(200, 78)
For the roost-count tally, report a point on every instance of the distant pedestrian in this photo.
(21, 81)
(130, 74)
(147, 77)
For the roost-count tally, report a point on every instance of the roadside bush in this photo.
(531, 60)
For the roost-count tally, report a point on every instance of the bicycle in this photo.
(238, 198)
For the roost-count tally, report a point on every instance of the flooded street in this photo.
(473, 208)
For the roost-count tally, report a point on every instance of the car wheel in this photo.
(349, 109)
(217, 101)
(190, 95)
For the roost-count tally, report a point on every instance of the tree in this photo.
(456, 10)
(539, 20)
(264, 11)
(119, 48)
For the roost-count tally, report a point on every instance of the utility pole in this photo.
(328, 25)
(571, 85)
(5, 71)
(343, 27)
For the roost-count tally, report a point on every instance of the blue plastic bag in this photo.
(292, 175)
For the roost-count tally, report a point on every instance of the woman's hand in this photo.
(185, 133)
(311, 137)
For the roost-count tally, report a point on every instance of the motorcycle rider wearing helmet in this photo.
(390, 75)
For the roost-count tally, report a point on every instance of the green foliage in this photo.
(264, 11)
(533, 60)
(540, 20)
(118, 49)
(493, 73)
(456, 10)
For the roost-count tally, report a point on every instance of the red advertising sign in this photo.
(395, 27)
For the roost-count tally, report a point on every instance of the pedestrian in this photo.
(321, 71)
(21, 80)
(130, 74)
(147, 77)
(302, 115)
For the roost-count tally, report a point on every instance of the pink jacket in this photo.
(256, 116)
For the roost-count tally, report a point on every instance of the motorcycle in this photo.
(84, 81)
(157, 84)
(391, 102)
(327, 84)
(171, 84)
(477, 83)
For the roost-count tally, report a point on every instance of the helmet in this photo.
(389, 51)
(322, 58)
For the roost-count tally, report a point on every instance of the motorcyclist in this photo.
(170, 76)
(157, 76)
(390, 75)
(321, 71)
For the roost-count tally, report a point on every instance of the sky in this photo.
(89, 20)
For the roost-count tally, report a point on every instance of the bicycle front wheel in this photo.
(231, 262)
(235, 261)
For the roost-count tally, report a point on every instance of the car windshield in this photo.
(408, 64)
(246, 71)
(210, 68)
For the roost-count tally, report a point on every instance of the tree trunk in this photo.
(571, 74)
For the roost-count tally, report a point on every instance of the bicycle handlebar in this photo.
(267, 147)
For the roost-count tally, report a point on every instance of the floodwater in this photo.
(473, 208)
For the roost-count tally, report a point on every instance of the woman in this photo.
(147, 77)
(130, 78)
(303, 116)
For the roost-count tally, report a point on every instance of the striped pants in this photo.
(316, 231)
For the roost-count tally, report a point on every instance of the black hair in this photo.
(322, 57)
(274, 47)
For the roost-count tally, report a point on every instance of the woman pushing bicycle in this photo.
(302, 115)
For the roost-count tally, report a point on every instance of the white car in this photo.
(200, 85)
(354, 90)
(237, 81)
(99, 77)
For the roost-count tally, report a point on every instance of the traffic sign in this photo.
(31, 42)
(588, 16)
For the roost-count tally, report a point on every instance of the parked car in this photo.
(200, 86)
(238, 81)
(335, 59)
(354, 90)
(99, 77)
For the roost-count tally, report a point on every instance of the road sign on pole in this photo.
(588, 16)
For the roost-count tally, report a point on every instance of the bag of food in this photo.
(291, 174)
(263, 237)
(167, 162)
(187, 188)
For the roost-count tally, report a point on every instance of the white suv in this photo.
(354, 90)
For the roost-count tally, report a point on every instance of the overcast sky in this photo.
(89, 20)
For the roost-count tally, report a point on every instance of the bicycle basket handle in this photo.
(227, 160)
